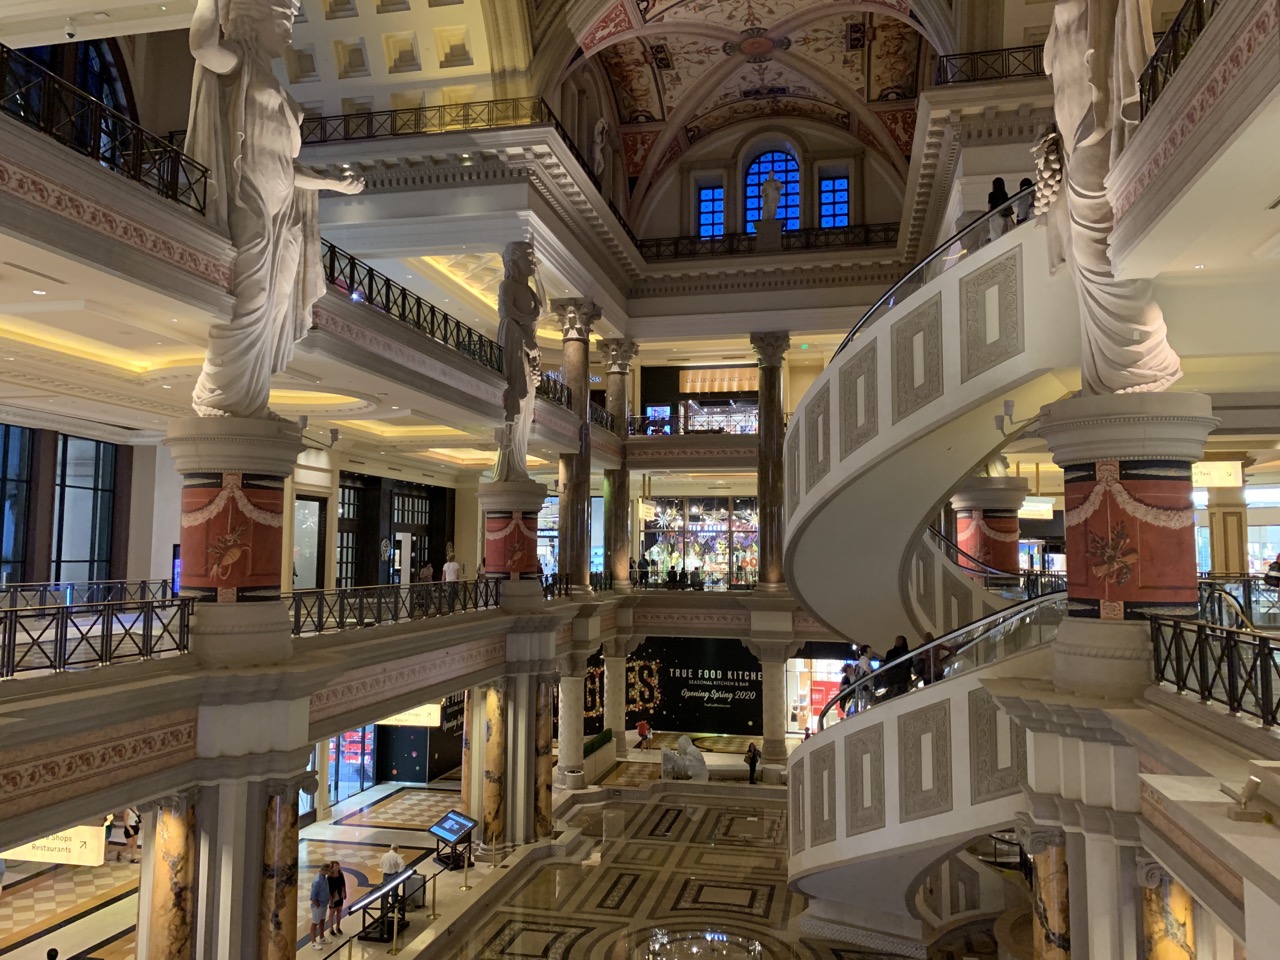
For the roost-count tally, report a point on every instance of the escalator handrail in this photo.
(941, 249)
(965, 555)
(979, 628)
(1214, 590)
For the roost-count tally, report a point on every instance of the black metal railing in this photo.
(1003, 64)
(1173, 49)
(946, 255)
(77, 592)
(315, 611)
(363, 284)
(1258, 600)
(32, 95)
(555, 585)
(1002, 851)
(554, 389)
(65, 637)
(412, 121)
(700, 422)
(733, 244)
(1237, 668)
(600, 416)
(600, 580)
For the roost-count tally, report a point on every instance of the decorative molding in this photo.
(1038, 837)
(978, 354)
(576, 316)
(861, 366)
(914, 801)
(795, 790)
(817, 436)
(961, 591)
(880, 943)
(925, 321)
(308, 782)
(792, 471)
(987, 779)
(618, 354)
(1155, 814)
(648, 619)
(822, 795)
(771, 347)
(1150, 872)
(859, 816)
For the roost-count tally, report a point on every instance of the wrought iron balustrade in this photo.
(744, 422)
(600, 416)
(1003, 64)
(363, 284)
(1174, 47)
(412, 121)
(554, 389)
(734, 244)
(317, 611)
(555, 585)
(601, 580)
(61, 637)
(1234, 667)
(43, 101)
(76, 592)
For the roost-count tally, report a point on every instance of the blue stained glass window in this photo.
(783, 168)
(833, 202)
(711, 212)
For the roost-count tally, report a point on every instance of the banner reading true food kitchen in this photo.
(695, 686)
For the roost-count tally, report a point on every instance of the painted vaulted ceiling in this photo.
(680, 70)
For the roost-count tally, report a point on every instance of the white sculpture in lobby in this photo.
(245, 128)
(519, 307)
(1095, 53)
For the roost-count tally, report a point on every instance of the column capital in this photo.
(991, 493)
(308, 782)
(771, 347)
(1127, 426)
(618, 354)
(1038, 837)
(1150, 872)
(576, 315)
(179, 802)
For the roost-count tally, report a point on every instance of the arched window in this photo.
(783, 168)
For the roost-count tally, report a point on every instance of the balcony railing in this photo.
(600, 416)
(691, 423)
(1173, 48)
(315, 611)
(364, 284)
(76, 592)
(1002, 64)
(32, 95)
(733, 244)
(1237, 668)
(1258, 600)
(554, 389)
(62, 637)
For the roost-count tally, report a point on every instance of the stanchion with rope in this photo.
(395, 931)
(466, 867)
(433, 915)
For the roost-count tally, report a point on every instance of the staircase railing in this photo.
(1028, 584)
(1173, 49)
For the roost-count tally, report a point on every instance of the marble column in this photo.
(576, 317)
(543, 762)
(323, 806)
(495, 764)
(1168, 915)
(166, 918)
(572, 710)
(1228, 531)
(233, 473)
(987, 528)
(278, 917)
(464, 787)
(1050, 895)
(615, 701)
(618, 355)
(770, 348)
(1130, 530)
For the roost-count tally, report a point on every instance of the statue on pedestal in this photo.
(519, 307)
(245, 128)
(770, 197)
(1095, 53)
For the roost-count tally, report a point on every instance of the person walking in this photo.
(643, 568)
(998, 199)
(337, 897)
(1022, 209)
(646, 734)
(452, 572)
(319, 907)
(391, 863)
(848, 677)
(898, 671)
(634, 573)
(753, 759)
(426, 573)
(132, 821)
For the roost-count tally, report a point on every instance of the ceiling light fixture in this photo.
(173, 319)
(39, 293)
(1199, 266)
(165, 386)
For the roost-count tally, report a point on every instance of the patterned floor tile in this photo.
(405, 809)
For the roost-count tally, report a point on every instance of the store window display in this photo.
(718, 538)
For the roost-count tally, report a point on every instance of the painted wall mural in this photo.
(232, 525)
(510, 544)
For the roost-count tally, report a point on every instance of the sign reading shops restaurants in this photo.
(695, 686)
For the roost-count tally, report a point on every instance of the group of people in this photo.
(328, 897)
(901, 669)
(678, 576)
(1011, 214)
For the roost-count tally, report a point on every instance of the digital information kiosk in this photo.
(453, 840)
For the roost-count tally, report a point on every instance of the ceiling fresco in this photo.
(680, 70)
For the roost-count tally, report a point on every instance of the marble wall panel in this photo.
(822, 795)
(989, 779)
(859, 410)
(864, 780)
(916, 384)
(957, 602)
(990, 337)
(817, 437)
(795, 790)
(924, 762)
(793, 470)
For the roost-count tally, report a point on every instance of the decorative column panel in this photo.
(1130, 529)
(576, 317)
(987, 521)
(615, 701)
(510, 509)
(278, 920)
(168, 914)
(770, 348)
(618, 355)
(572, 708)
(1228, 531)
(495, 764)
(1168, 914)
(1050, 900)
(233, 472)
(543, 762)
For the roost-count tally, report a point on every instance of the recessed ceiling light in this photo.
(8, 358)
(395, 408)
(1199, 266)
(173, 319)
(346, 166)
(39, 293)
(165, 386)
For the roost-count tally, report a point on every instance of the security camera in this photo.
(70, 29)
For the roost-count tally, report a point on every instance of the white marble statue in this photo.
(770, 197)
(600, 147)
(1095, 53)
(245, 128)
(685, 762)
(519, 307)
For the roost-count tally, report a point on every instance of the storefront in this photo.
(549, 535)
(719, 537)
(695, 685)
(813, 678)
(387, 530)
(351, 758)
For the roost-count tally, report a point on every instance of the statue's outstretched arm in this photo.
(205, 40)
(348, 183)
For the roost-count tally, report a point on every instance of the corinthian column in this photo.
(618, 355)
(166, 906)
(771, 348)
(576, 317)
(278, 921)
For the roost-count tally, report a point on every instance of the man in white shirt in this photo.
(391, 863)
(451, 576)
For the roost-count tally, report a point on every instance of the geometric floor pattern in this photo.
(405, 809)
(681, 864)
(49, 895)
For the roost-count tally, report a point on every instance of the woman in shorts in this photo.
(337, 897)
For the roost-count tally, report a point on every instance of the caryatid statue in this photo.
(245, 128)
(1095, 53)
(770, 197)
(519, 307)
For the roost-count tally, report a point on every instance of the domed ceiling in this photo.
(680, 70)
